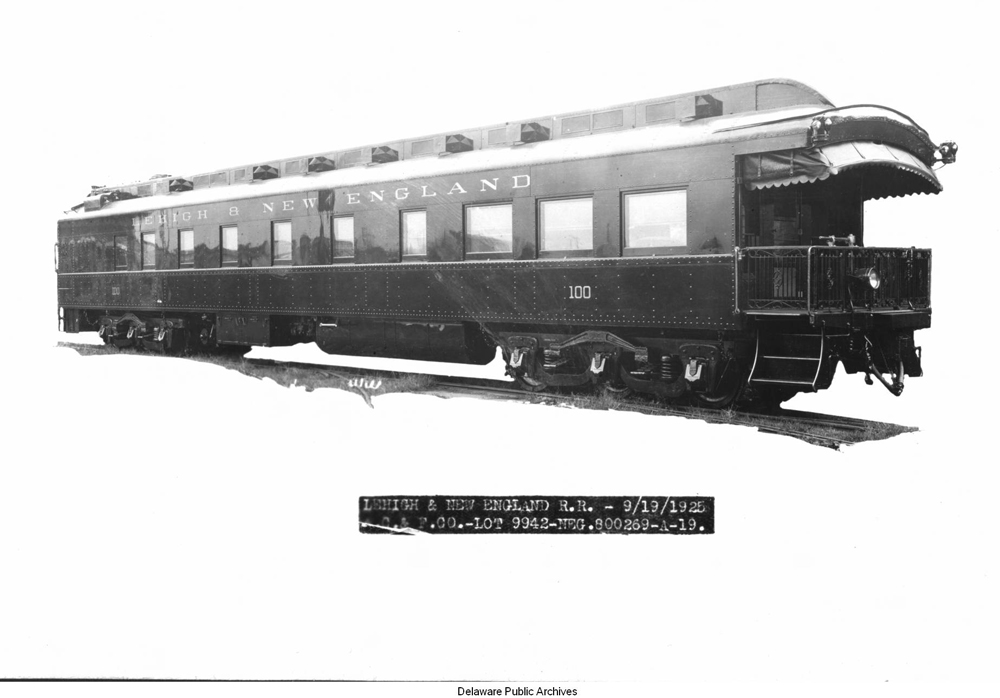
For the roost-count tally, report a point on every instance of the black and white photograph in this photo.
(546, 349)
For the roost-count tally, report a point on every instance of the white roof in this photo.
(670, 135)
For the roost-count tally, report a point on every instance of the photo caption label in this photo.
(537, 514)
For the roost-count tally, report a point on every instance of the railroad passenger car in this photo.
(688, 247)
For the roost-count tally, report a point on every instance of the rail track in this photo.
(831, 431)
(821, 429)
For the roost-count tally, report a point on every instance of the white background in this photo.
(173, 519)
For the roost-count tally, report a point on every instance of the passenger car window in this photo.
(229, 235)
(149, 250)
(121, 253)
(566, 225)
(185, 242)
(414, 233)
(281, 242)
(343, 236)
(656, 219)
(489, 228)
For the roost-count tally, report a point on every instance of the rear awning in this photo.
(890, 171)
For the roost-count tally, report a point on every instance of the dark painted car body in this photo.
(761, 162)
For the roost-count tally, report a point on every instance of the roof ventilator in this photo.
(694, 107)
(262, 172)
(179, 184)
(458, 143)
(706, 106)
(383, 154)
(320, 164)
(99, 198)
(533, 132)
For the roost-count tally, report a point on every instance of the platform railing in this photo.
(828, 279)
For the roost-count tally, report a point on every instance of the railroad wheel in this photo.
(173, 342)
(126, 336)
(524, 378)
(613, 384)
(529, 384)
(729, 387)
(521, 376)
(206, 339)
(619, 391)
(766, 399)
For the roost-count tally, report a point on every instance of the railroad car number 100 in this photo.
(578, 292)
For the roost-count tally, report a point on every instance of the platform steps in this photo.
(792, 360)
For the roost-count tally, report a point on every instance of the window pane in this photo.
(608, 119)
(149, 250)
(343, 237)
(497, 135)
(414, 232)
(576, 124)
(489, 228)
(186, 248)
(229, 243)
(568, 224)
(121, 252)
(661, 111)
(424, 147)
(281, 241)
(656, 219)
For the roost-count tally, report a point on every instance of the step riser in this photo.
(788, 359)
